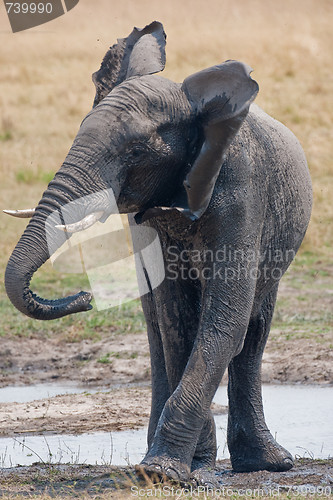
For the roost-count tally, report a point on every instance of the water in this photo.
(117, 448)
(299, 417)
(24, 394)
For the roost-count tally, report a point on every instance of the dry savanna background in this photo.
(46, 90)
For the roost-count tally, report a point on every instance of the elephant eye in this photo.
(137, 151)
(149, 151)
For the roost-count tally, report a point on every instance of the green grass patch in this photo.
(92, 325)
(302, 309)
(27, 176)
(105, 359)
(6, 136)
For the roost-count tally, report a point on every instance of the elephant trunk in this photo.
(29, 255)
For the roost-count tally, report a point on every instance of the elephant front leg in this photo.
(251, 445)
(203, 463)
(181, 425)
(178, 430)
(159, 379)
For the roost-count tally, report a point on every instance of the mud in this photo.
(125, 359)
(32, 360)
(118, 362)
(308, 478)
(112, 360)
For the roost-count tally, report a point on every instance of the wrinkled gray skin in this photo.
(240, 182)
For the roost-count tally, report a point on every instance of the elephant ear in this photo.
(221, 96)
(141, 53)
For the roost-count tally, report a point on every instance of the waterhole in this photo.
(299, 417)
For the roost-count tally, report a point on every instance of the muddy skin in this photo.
(250, 443)
(210, 173)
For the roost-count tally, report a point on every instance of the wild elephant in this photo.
(226, 187)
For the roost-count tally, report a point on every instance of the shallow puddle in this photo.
(26, 393)
(299, 417)
(116, 448)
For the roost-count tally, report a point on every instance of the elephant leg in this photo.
(172, 316)
(142, 238)
(204, 459)
(206, 449)
(183, 425)
(251, 445)
(180, 324)
(171, 337)
(159, 379)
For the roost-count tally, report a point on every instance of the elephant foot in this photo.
(160, 469)
(264, 453)
(202, 468)
(204, 477)
(206, 460)
(173, 470)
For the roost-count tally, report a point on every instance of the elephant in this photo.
(227, 189)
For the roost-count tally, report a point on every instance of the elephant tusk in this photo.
(22, 214)
(87, 221)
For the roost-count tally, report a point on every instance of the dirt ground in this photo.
(308, 478)
(122, 362)
(120, 365)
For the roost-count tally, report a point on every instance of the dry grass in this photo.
(46, 88)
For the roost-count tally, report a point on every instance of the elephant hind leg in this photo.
(251, 445)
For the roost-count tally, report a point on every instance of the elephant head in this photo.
(155, 144)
